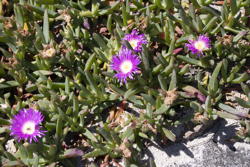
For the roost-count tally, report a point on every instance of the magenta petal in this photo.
(125, 55)
(24, 117)
(199, 52)
(135, 36)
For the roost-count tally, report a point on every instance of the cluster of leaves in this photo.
(55, 57)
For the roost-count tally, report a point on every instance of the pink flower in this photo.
(125, 64)
(26, 125)
(199, 46)
(136, 40)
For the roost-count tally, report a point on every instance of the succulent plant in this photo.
(56, 58)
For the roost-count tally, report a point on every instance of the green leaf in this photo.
(184, 70)
(46, 26)
(173, 82)
(145, 58)
(73, 152)
(148, 98)
(42, 72)
(129, 93)
(213, 82)
(196, 106)
(168, 4)
(5, 53)
(109, 23)
(208, 105)
(233, 111)
(224, 69)
(124, 15)
(13, 164)
(143, 135)
(210, 24)
(8, 84)
(75, 105)
(234, 7)
(23, 151)
(47, 2)
(169, 134)
(243, 77)
(19, 15)
(89, 62)
(110, 9)
(116, 89)
(245, 88)
(96, 153)
(59, 126)
(240, 35)
(4, 122)
(227, 115)
(106, 134)
(149, 110)
(92, 82)
(235, 69)
(162, 110)
(35, 161)
(100, 54)
(90, 135)
(41, 11)
(210, 10)
(67, 86)
(9, 156)
(4, 129)
(170, 67)
(190, 60)
(243, 103)
(129, 133)
(100, 41)
(163, 82)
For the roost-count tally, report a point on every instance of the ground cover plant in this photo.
(85, 79)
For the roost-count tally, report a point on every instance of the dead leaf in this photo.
(116, 163)
(105, 164)
(152, 128)
(170, 97)
(10, 146)
(103, 30)
(162, 35)
(222, 2)
(178, 30)
(193, 92)
(176, 51)
(5, 2)
(74, 152)
(126, 152)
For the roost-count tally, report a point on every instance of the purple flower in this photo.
(136, 40)
(199, 46)
(125, 64)
(26, 125)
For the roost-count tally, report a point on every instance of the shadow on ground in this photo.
(214, 148)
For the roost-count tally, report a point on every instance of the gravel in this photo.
(213, 149)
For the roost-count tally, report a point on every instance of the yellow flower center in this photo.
(200, 45)
(126, 66)
(133, 43)
(28, 128)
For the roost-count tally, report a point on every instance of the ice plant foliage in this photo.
(136, 40)
(26, 125)
(125, 64)
(199, 46)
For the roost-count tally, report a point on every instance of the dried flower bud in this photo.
(47, 53)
